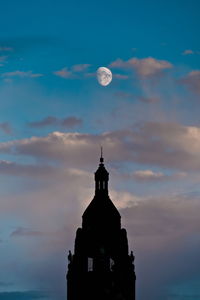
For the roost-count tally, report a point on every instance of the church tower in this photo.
(101, 267)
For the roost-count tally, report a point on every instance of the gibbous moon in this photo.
(104, 76)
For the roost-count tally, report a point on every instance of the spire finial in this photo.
(101, 158)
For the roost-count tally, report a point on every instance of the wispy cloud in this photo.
(68, 122)
(190, 52)
(5, 49)
(149, 99)
(145, 67)
(71, 72)
(125, 95)
(120, 76)
(64, 73)
(21, 74)
(149, 175)
(80, 67)
(25, 232)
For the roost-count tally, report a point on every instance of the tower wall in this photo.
(101, 266)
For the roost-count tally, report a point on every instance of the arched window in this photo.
(111, 264)
(90, 264)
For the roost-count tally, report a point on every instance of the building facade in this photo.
(101, 266)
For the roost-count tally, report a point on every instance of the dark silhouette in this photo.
(101, 267)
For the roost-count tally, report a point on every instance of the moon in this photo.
(104, 76)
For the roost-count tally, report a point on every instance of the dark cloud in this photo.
(68, 122)
(12, 168)
(6, 127)
(48, 121)
(71, 122)
(192, 81)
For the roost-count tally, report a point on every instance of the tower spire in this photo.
(101, 176)
(101, 158)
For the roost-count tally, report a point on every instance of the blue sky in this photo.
(54, 116)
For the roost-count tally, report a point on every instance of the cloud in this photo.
(6, 127)
(64, 73)
(192, 81)
(123, 95)
(68, 122)
(25, 232)
(26, 170)
(149, 99)
(188, 52)
(160, 144)
(120, 76)
(90, 74)
(71, 122)
(48, 121)
(71, 72)
(80, 67)
(124, 199)
(161, 230)
(5, 49)
(145, 67)
(149, 175)
(21, 74)
(163, 233)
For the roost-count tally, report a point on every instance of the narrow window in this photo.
(111, 264)
(90, 264)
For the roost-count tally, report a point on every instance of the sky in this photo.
(54, 116)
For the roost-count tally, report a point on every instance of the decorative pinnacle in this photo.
(101, 158)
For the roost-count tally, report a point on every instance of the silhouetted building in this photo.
(101, 266)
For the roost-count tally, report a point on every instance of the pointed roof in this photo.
(101, 173)
(101, 209)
